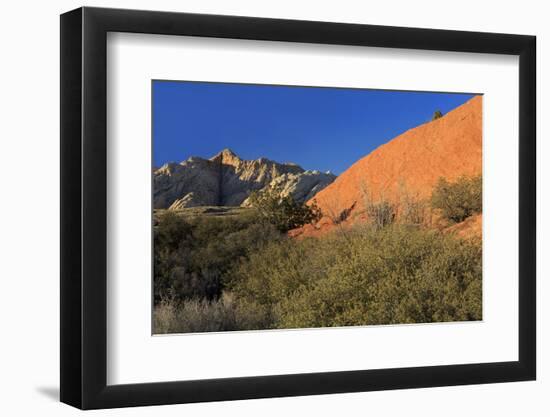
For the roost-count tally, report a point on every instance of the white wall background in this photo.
(29, 213)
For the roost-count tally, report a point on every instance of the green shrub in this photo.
(458, 200)
(173, 237)
(397, 274)
(193, 255)
(283, 212)
(437, 115)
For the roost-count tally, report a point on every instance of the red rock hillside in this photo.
(413, 161)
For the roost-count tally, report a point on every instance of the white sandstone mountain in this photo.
(227, 180)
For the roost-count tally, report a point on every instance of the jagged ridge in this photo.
(227, 180)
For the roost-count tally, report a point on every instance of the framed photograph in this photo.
(256, 208)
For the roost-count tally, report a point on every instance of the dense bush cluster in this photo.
(241, 272)
(192, 256)
(397, 274)
(458, 200)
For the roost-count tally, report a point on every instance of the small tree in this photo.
(458, 200)
(437, 115)
(283, 212)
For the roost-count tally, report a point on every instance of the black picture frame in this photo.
(84, 207)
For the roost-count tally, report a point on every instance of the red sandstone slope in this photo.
(471, 227)
(447, 147)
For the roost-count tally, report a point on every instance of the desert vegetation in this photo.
(437, 115)
(193, 254)
(458, 200)
(239, 270)
(396, 274)
(282, 211)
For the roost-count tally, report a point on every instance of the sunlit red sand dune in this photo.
(411, 163)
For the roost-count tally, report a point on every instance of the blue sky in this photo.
(317, 128)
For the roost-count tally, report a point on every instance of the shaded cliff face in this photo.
(227, 180)
(411, 163)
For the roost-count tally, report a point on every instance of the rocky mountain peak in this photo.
(227, 180)
(226, 157)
